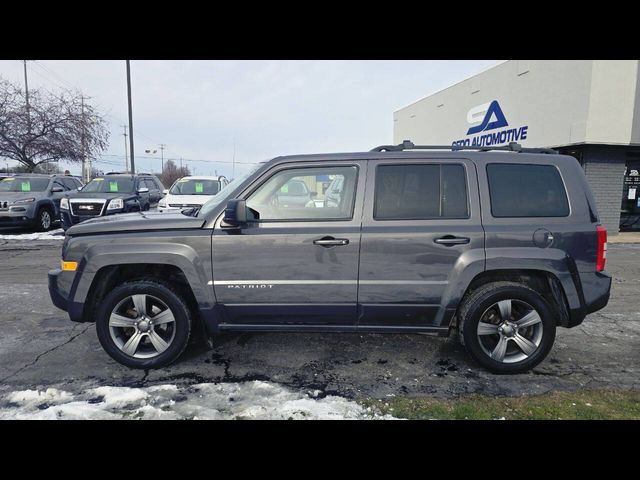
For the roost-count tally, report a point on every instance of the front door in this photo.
(296, 261)
(419, 233)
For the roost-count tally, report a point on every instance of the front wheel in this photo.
(507, 327)
(43, 220)
(143, 324)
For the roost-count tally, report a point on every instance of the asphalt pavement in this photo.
(40, 347)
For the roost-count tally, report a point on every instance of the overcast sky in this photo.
(268, 108)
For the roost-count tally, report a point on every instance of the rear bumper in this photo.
(597, 290)
(594, 292)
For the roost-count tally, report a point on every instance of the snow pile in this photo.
(247, 400)
(50, 235)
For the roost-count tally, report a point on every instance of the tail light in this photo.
(602, 248)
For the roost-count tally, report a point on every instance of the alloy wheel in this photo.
(142, 326)
(510, 331)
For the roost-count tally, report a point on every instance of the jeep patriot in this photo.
(500, 245)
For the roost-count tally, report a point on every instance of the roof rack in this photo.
(511, 147)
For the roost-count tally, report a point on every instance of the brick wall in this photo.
(604, 169)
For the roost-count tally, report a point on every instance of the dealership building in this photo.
(589, 109)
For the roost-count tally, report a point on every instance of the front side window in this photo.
(420, 192)
(520, 190)
(301, 194)
(109, 185)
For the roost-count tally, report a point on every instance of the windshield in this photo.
(223, 194)
(192, 186)
(109, 185)
(24, 184)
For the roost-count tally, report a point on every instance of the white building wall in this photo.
(560, 103)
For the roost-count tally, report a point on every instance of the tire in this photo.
(145, 351)
(497, 345)
(44, 219)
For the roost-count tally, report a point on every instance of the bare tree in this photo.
(172, 172)
(54, 127)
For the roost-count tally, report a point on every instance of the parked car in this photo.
(33, 200)
(294, 193)
(501, 246)
(110, 194)
(191, 191)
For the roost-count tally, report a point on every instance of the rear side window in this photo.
(420, 192)
(519, 190)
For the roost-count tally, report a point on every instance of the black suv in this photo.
(501, 245)
(33, 200)
(109, 194)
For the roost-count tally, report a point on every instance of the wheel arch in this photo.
(542, 281)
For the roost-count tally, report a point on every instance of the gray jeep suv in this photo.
(33, 200)
(501, 245)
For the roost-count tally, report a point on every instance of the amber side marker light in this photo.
(69, 266)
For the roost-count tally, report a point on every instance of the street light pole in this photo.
(133, 164)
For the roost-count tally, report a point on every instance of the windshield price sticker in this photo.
(26, 186)
(199, 187)
(113, 186)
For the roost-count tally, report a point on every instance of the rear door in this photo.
(421, 228)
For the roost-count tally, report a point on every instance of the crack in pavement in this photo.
(24, 367)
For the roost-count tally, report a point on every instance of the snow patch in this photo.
(50, 235)
(246, 400)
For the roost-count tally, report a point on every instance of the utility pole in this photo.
(85, 173)
(162, 145)
(180, 163)
(133, 164)
(126, 146)
(26, 86)
(233, 172)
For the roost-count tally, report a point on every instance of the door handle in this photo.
(451, 240)
(331, 242)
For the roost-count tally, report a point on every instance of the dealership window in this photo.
(518, 190)
(420, 192)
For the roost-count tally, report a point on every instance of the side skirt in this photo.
(435, 331)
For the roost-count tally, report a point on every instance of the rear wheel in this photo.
(507, 327)
(144, 324)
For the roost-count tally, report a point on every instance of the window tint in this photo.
(61, 184)
(418, 191)
(69, 183)
(518, 190)
(299, 194)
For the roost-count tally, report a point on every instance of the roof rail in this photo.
(511, 147)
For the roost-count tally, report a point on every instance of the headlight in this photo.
(115, 204)
(24, 200)
(64, 203)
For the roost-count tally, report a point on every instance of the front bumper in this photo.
(17, 215)
(60, 291)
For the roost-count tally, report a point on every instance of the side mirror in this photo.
(143, 190)
(235, 215)
(165, 191)
(57, 190)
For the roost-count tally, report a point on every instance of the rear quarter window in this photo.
(521, 190)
